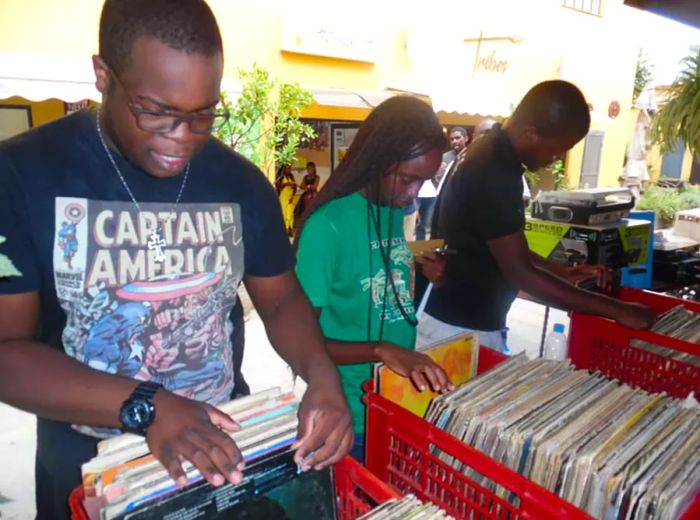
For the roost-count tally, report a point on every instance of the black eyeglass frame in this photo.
(177, 117)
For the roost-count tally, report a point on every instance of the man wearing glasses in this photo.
(133, 331)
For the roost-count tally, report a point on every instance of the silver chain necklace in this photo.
(155, 239)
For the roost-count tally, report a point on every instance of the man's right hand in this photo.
(188, 430)
(634, 315)
(423, 371)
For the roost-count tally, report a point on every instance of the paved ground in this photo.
(263, 369)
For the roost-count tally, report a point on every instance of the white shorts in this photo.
(431, 330)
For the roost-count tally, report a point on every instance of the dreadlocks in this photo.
(399, 129)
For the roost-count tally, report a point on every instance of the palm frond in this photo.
(679, 118)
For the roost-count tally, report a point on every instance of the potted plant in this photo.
(265, 123)
(667, 201)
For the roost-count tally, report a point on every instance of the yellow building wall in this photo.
(654, 158)
(250, 31)
(602, 65)
(46, 26)
(555, 42)
(687, 165)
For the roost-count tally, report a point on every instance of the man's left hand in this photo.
(325, 427)
(434, 267)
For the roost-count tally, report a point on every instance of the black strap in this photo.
(146, 390)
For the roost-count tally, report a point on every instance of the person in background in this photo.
(482, 128)
(635, 173)
(287, 189)
(130, 335)
(311, 178)
(352, 257)
(480, 214)
(429, 191)
(459, 139)
(309, 189)
(285, 178)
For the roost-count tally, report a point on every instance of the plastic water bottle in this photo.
(556, 345)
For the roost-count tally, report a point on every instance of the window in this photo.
(590, 166)
(586, 6)
(14, 119)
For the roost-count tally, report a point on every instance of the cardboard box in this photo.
(622, 244)
(687, 224)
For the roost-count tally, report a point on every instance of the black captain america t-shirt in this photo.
(481, 201)
(106, 300)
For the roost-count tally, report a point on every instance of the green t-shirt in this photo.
(348, 284)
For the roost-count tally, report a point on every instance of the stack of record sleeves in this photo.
(614, 451)
(407, 508)
(124, 481)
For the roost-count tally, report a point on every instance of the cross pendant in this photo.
(156, 243)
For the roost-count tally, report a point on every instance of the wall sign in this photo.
(77, 106)
(490, 60)
(330, 39)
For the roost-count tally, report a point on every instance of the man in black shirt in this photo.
(481, 215)
(125, 316)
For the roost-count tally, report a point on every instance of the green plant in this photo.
(533, 178)
(690, 197)
(679, 118)
(264, 124)
(666, 202)
(642, 74)
(6, 266)
(561, 182)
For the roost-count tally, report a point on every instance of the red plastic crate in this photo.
(399, 443)
(659, 302)
(357, 489)
(399, 453)
(599, 344)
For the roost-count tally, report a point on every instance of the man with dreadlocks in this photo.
(135, 333)
(353, 261)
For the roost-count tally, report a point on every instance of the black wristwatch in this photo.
(138, 412)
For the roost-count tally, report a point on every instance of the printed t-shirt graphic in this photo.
(128, 314)
(401, 261)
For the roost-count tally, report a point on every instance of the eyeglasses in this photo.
(164, 122)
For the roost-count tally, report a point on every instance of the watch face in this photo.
(136, 415)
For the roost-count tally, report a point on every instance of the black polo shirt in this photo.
(481, 201)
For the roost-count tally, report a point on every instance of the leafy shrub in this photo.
(666, 202)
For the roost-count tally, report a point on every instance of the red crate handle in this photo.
(596, 322)
(350, 472)
(659, 302)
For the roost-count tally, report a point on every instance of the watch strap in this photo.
(146, 390)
